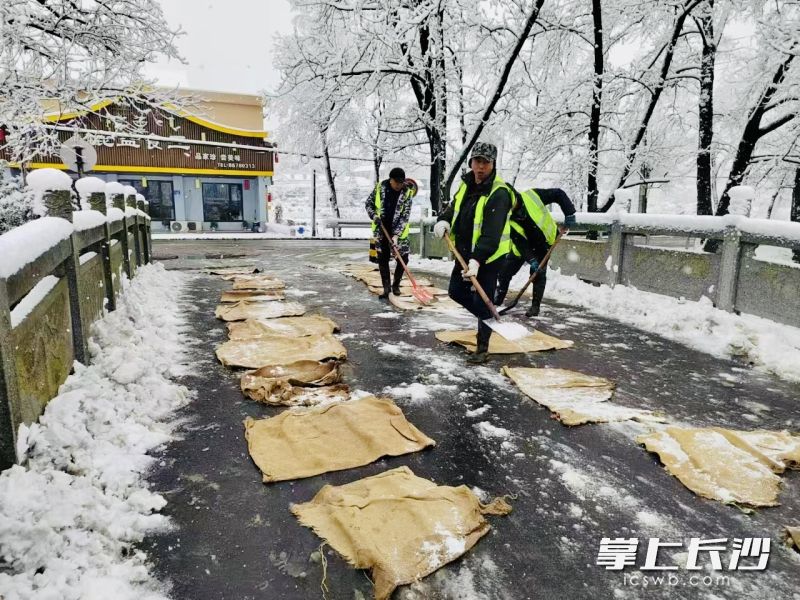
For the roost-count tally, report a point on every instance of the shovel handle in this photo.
(474, 281)
(397, 254)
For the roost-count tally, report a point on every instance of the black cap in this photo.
(397, 174)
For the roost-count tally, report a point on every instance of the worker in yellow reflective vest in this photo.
(477, 222)
(390, 203)
(533, 231)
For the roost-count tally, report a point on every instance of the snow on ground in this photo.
(773, 347)
(71, 513)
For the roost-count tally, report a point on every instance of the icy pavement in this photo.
(235, 538)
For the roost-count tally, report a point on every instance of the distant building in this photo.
(209, 168)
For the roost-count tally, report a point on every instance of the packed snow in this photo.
(27, 242)
(72, 511)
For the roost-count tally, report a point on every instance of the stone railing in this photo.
(56, 276)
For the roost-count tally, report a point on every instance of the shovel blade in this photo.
(423, 296)
(511, 331)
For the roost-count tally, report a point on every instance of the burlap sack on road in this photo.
(232, 296)
(284, 384)
(278, 350)
(258, 282)
(245, 276)
(726, 465)
(304, 442)
(289, 326)
(793, 537)
(574, 398)
(405, 290)
(400, 526)
(243, 310)
(536, 342)
(373, 280)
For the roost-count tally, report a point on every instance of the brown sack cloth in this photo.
(258, 282)
(726, 465)
(304, 442)
(399, 525)
(243, 310)
(573, 397)
(251, 295)
(291, 326)
(282, 384)
(233, 271)
(793, 537)
(536, 342)
(279, 350)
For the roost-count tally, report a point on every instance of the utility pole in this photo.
(314, 203)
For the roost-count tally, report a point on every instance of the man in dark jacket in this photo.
(390, 203)
(533, 232)
(477, 222)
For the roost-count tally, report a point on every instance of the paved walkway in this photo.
(235, 538)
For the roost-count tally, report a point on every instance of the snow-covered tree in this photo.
(67, 56)
(16, 203)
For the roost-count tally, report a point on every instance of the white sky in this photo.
(227, 45)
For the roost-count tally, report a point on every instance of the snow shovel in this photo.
(532, 278)
(511, 331)
(422, 295)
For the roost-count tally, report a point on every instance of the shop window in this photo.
(158, 194)
(222, 202)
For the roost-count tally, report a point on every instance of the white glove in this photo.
(472, 269)
(441, 229)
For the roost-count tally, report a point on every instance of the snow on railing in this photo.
(65, 245)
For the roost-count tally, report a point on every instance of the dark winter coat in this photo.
(395, 213)
(535, 245)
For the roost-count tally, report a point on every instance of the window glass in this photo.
(222, 202)
(158, 194)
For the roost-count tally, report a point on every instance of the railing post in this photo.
(144, 230)
(729, 268)
(97, 201)
(616, 250)
(136, 243)
(118, 200)
(59, 204)
(9, 390)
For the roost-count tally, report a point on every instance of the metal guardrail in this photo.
(37, 352)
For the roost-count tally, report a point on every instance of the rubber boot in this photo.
(536, 302)
(398, 276)
(500, 295)
(386, 280)
(481, 354)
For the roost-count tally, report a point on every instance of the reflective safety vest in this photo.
(505, 239)
(539, 214)
(378, 211)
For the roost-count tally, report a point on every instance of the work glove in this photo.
(441, 229)
(472, 269)
(376, 219)
(394, 240)
(534, 265)
(569, 221)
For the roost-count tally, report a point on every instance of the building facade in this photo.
(209, 168)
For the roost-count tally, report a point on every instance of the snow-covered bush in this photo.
(16, 203)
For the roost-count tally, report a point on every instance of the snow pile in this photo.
(418, 392)
(129, 190)
(87, 186)
(488, 431)
(87, 219)
(44, 180)
(742, 197)
(112, 189)
(773, 347)
(70, 516)
(27, 242)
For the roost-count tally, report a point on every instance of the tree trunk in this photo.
(706, 111)
(501, 84)
(594, 116)
(329, 174)
(753, 132)
(658, 88)
(795, 212)
(775, 196)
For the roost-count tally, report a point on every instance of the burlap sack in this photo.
(400, 526)
(726, 465)
(257, 282)
(289, 326)
(286, 384)
(536, 342)
(251, 295)
(279, 350)
(304, 442)
(240, 311)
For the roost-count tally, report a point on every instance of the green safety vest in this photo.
(379, 205)
(505, 239)
(539, 214)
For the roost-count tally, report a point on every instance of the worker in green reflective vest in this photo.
(477, 222)
(390, 203)
(533, 231)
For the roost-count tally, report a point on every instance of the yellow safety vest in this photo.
(539, 214)
(379, 204)
(505, 239)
